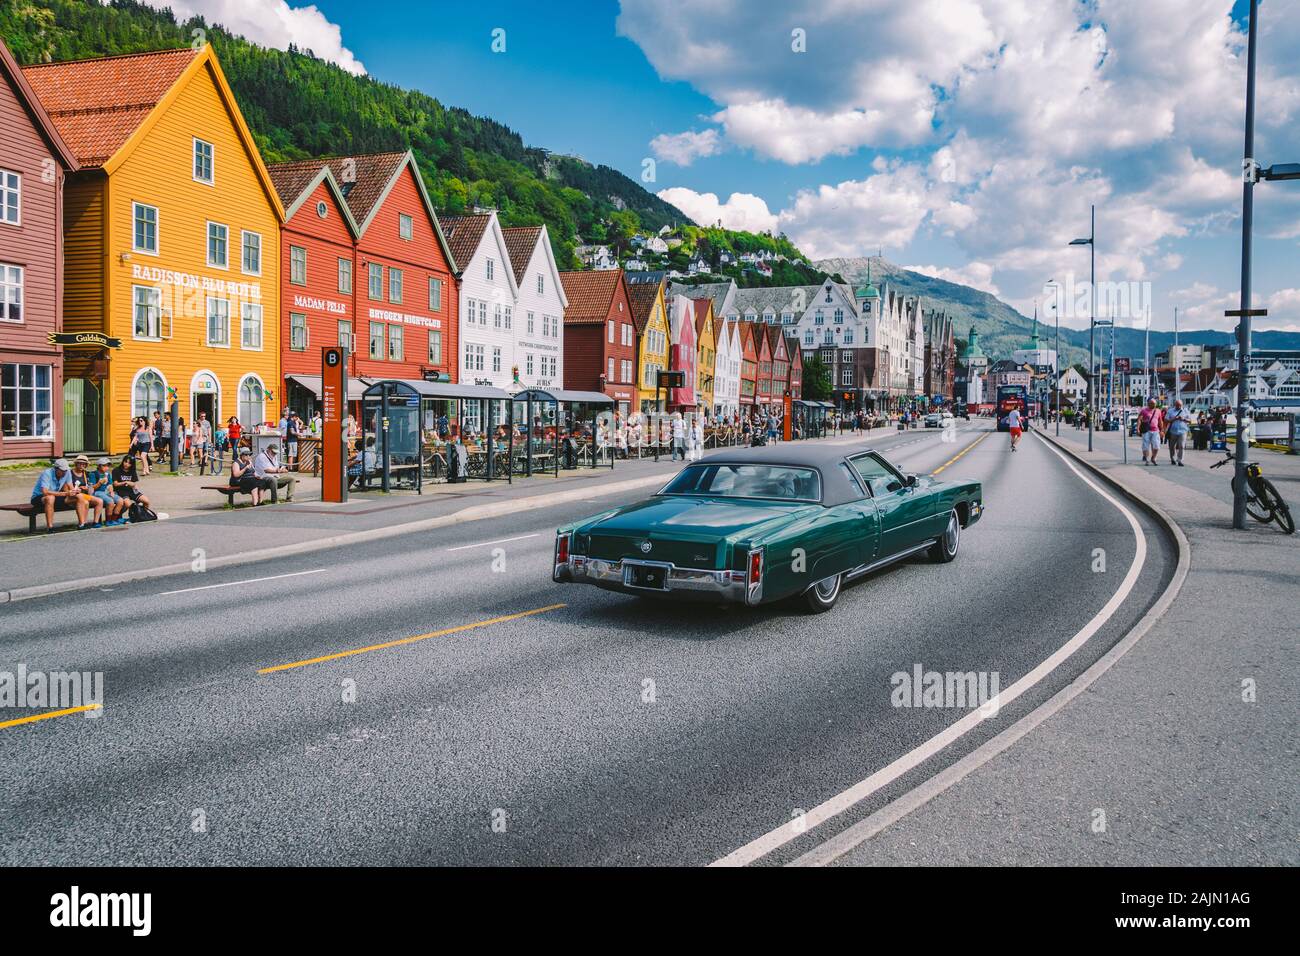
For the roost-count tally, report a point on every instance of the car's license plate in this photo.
(654, 577)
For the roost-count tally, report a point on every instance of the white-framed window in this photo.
(828, 337)
(807, 336)
(252, 401)
(375, 280)
(144, 228)
(148, 393)
(609, 331)
(496, 316)
(203, 161)
(609, 371)
(395, 344)
(250, 327)
(394, 285)
(528, 364)
(846, 375)
(491, 268)
(11, 189)
(218, 322)
(482, 313)
(11, 293)
(376, 340)
(435, 294)
(473, 357)
(435, 347)
(508, 313)
(819, 318)
(541, 284)
(298, 265)
(345, 334)
(470, 305)
(528, 323)
(218, 245)
(848, 336)
(405, 226)
(345, 276)
(251, 256)
(298, 331)
(839, 316)
(146, 305)
(496, 360)
(26, 409)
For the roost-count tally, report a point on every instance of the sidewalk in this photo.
(199, 519)
(1186, 771)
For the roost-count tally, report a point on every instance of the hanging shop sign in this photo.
(85, 340)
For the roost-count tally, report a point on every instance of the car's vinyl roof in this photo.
(837, 487)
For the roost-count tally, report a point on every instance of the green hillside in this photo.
(299, 106)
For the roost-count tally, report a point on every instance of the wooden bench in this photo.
(30, 512)
(229, 491)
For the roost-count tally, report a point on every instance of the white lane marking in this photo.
(484, 544)
(774, 839)
(231, 584)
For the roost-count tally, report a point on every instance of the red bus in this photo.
(1009, 397)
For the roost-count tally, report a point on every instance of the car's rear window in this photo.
(785, 482)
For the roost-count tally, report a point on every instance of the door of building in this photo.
(81, 409)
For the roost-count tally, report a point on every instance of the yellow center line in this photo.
(53, 713)
(960, 453)
(411, 640)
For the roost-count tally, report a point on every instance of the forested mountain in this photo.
(299, 106)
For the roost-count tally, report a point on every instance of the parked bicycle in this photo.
(1263, 503)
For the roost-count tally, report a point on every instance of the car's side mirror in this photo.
(910, 480)
(893, 486)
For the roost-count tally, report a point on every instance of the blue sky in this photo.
(965, 138)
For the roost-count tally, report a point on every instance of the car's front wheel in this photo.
(821, 597)
(945, 549)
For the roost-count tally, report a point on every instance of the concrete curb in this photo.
(465, 515)
(922, 794)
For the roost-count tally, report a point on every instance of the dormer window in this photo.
(491, 268)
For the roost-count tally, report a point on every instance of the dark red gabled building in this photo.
(33, 163)
(600, 336)
(400, 293)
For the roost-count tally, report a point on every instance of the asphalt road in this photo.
(608, 730)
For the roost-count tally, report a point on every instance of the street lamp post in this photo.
(1091, 243)
(1056, 365)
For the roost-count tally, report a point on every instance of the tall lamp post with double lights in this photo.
(1091, 243)
(1251, 173)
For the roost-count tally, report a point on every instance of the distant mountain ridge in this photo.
(1003, 329)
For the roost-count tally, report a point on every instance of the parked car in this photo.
(755, 526)
(933, 420)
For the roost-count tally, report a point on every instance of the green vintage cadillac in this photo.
(765, 524)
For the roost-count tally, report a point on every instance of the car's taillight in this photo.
(562, 549)
(755, 567)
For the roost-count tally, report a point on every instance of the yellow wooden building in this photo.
(650, 314)
(172, 245)
(706, 354)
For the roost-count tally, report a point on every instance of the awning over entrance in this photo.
(452, 390)
(356, 386)
(567, 395)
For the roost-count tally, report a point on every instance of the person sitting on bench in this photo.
(84, 484)
(362, 464)
(243, 475)
(126, 482)
(267, 466)
(115, 505)
(54, 491)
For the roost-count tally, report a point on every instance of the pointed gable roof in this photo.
(641, 297)
(105, 107)
(99, 103)
(701, 316)
(591, 294)
(35, 109)
(464, 233)
(520, 243)
(296, 181)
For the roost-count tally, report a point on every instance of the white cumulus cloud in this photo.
(740, 211)
(684, 148)
(272, 23)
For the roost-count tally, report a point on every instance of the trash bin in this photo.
(457, 463)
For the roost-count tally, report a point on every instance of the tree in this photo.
(816, 379)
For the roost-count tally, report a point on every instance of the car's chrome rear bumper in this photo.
(726, 586)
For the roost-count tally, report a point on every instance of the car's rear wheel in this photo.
(945, 549)
(822, 596)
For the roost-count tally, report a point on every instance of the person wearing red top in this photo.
(1150, 422)
(233, 431)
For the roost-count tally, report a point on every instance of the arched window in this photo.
(252, 402)
(149, 394)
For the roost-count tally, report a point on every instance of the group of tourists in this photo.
(107, 497)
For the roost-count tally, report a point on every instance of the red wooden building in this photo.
(795, 355)
(33, 162)
(600, 336)
(748, 367)
(763, 348)
(365, 266)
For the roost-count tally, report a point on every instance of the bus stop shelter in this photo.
(413, 430)
(813, 416)
(562, 428)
